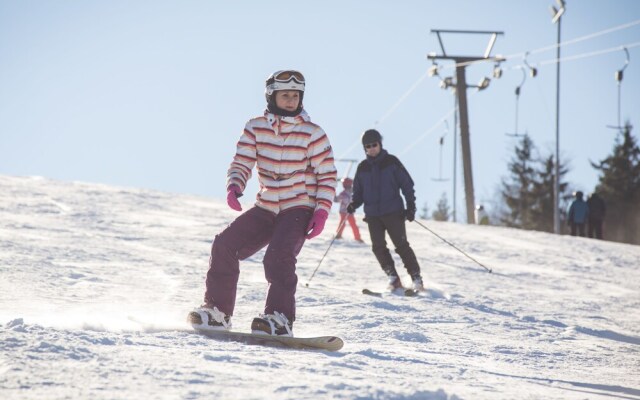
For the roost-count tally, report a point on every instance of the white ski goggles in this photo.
(285, 80)
(288, 76)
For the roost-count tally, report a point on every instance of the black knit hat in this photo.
(371, 136)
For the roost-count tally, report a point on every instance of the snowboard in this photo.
(328, 343)
(400, 292)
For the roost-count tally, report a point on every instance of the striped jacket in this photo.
(294, 163)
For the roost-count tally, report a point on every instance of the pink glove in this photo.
(316, 225)
(233, 192)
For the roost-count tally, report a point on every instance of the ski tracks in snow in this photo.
(96, 282)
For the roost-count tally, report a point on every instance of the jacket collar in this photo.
(374, 160)
(300, 118)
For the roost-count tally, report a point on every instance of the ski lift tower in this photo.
(461, 63)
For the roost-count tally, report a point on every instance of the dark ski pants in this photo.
(394, 225)
(595, 226)
(578, 229)
(283, 234)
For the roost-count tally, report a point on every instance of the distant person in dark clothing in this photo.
(597, 211)
(378, 182)
(578, 214)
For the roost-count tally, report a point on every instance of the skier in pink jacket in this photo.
(297, 175)
(344, 198)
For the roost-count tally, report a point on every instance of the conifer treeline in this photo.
(619, 186)
(527, 192)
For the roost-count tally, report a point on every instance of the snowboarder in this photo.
(297, 177)
(597, 211)
(344, 198)
(377, 184)
(578, 214)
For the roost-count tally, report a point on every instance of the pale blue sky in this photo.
(155, 94)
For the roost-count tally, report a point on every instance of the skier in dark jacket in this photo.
(378, 182)
(597, 211)
(578, 214)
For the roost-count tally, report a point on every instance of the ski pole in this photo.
(451, 244)
(325, 253)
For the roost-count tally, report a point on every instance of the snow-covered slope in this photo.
(96, 281)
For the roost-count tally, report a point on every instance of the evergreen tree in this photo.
(442, 211)
(425, 211)
(542, 192)
(517, 190)
(619, 186)
(528, 193)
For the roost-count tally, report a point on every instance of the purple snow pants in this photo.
(283, 233)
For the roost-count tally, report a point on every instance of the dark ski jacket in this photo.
(378, 183)
(597, 208)
(578, 212)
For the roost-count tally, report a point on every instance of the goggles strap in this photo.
(291, 85)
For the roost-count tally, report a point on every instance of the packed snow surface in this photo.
(96, 282)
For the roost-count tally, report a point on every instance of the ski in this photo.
(405, 292)
(328, 343)
(371, 293)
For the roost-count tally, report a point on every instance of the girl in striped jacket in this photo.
(297, 176)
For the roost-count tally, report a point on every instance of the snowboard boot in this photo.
(275, 324)
(209, 317)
